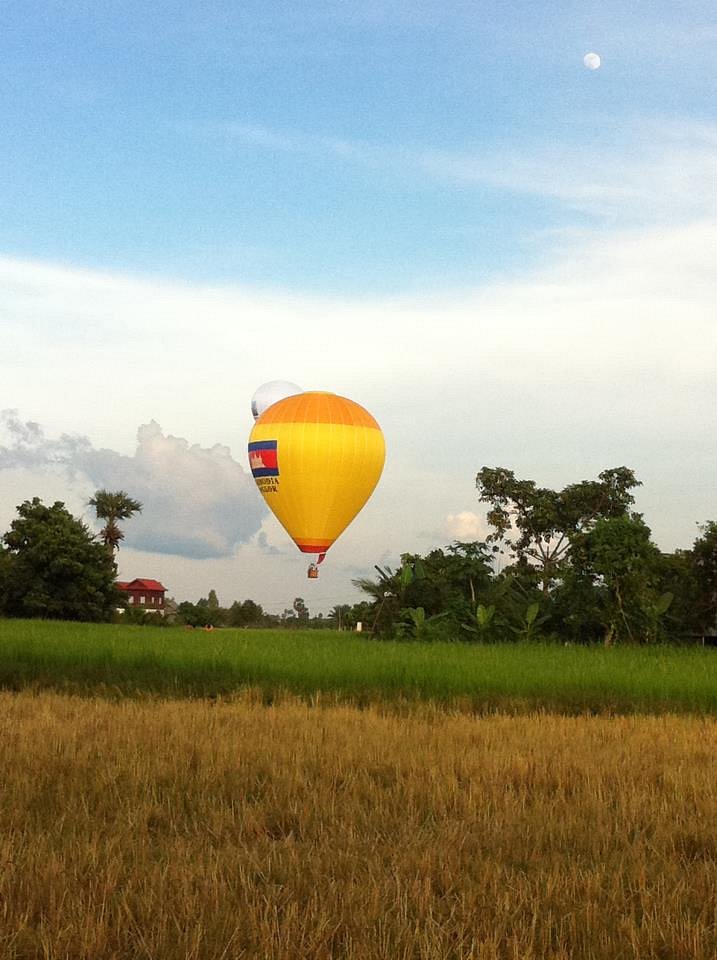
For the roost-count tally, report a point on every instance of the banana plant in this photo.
(529, 622)
(419, 626)
(481, 622)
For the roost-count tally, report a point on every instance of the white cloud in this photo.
(603, 358)
(296, 142)
(629, 172)
(197, 502)
(617, 170)
(466, 526)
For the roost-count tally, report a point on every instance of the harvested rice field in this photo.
(229, 828)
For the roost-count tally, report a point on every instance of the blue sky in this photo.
(289, 145)
(431, 207)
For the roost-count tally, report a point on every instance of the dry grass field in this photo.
(232, 829)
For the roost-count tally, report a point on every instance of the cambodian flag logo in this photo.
(263, 458)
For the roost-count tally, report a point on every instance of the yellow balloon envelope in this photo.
(316, 458)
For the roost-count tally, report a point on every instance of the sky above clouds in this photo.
(432, 208)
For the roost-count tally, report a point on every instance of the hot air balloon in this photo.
(272, 392)
(316, 458)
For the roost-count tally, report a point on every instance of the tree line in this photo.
(207, 612)
(577, 564)
(53, 566)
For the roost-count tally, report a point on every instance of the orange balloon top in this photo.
(318, 407)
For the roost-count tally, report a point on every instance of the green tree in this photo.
(575, 608)
(704, 566)
(625, 563)
(446, 583)
(188, 614)
(691, 576)
(54, 567)
(4, 576)
(341, 616)
(245, 614)
(360, 612)
(199, 614)
(677, 576)
(208, 614)
(538, 525)
(384, 606)
(300, 608)
(111, 507)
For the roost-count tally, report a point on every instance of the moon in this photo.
(591, 61)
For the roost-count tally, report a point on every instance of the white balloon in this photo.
(591, 61)
(272, 392)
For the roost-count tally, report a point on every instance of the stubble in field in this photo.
(175, 830)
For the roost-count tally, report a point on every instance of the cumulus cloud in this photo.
(29, 447)
(197, 502)
(466, 526)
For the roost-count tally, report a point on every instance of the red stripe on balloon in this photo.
(318, 546)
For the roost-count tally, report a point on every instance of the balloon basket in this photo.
(313, 572)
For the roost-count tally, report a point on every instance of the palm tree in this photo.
(111, 507)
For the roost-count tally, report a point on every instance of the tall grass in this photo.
(137, 830)
(124, 660)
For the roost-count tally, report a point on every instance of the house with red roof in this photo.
(143, 594)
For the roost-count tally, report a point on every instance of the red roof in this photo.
(141, 584)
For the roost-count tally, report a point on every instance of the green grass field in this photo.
(124, 660)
